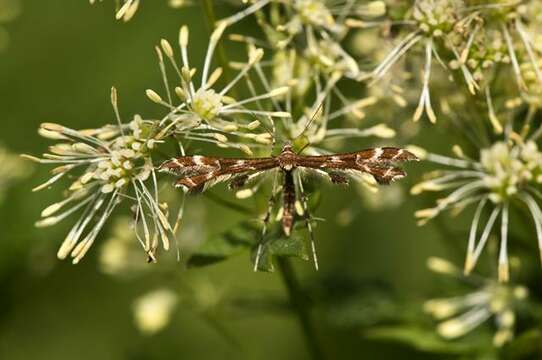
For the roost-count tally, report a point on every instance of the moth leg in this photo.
(243, 180)
(308, 218)
(238, 182)
(266, 220)
(337, 178)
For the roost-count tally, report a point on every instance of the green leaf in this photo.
(363, 311)
(245, 236)
(277, 244)
(221, 247)
(425, 339)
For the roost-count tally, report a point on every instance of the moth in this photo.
(197, 173)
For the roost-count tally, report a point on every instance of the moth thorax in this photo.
(287, 159)
(287, 166)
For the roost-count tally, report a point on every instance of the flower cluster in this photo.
(459, 315)
(505, 172)
(156, 309)
(208, 113)
(126, 9)
(308, 35)
(433, 21)
(153, 310)
(308, 19)
(470, 38)
(113, 163)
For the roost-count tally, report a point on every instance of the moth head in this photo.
(288, 147)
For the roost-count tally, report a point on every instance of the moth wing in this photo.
(379, 162)
(201, 173)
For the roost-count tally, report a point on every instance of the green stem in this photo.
(300, 304)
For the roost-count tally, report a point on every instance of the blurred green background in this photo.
(63, 57)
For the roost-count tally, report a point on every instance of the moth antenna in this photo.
(309, 124)
(312, 119)
(267, 217)
(303, 148)
(270, 131)
(307, 216)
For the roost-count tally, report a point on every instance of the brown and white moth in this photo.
(197, 173)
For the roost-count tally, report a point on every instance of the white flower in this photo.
(313, 24)
(176, 4)
(125, 9)
(153, 311)
(205, 112)
(314, 12)
(433, 21)
(113, 164)
(512, 19)
(461, 314)
(504, 173)
(532, 94)
(207, 103)
(477, 36)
